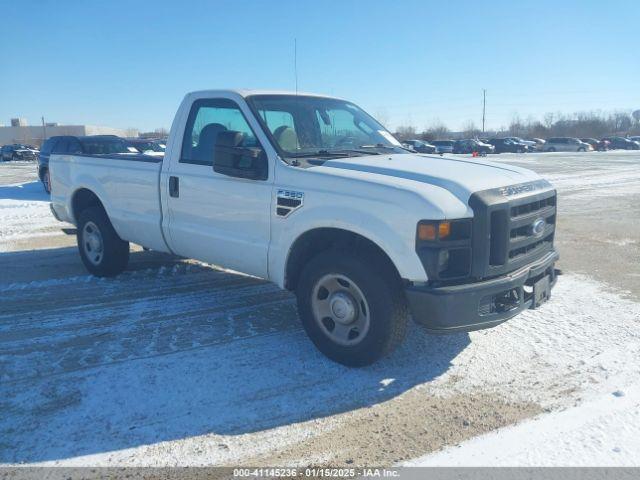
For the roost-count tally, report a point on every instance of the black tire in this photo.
(551, 149)
(14, 158)
(383, 294)
(115, 251)
(46, 181)
(581, 150)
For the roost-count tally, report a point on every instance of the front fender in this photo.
(397, 241)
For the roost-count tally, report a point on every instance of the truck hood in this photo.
(460, 176)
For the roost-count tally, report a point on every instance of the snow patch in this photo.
(601, 432)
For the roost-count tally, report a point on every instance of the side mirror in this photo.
(232, 159)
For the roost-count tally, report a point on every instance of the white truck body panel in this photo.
(231, 221)
(128, 190)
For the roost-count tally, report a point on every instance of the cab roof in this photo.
(250, 92)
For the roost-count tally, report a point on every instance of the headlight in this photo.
(444, 247)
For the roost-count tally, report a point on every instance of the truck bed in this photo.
(126, 184)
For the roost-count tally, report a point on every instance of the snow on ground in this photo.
(198, 367)
(25, 213)
(182, 364)
(601, 432)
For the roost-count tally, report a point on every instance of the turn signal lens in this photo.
(444, 229)
(427, 231)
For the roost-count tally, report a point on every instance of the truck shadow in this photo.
(24, 191)
(167, 351)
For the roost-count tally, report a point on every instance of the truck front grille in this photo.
(512, 230)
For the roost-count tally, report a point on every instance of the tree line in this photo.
(579, 125)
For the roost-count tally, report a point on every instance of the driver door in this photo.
(213, 217)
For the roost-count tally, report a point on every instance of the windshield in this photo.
(304, 125)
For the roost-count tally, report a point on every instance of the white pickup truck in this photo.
(312, 193)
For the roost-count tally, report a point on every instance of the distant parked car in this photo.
(529, 143)
(538, 144)
(95, 144)
(566, 144)
(471, 145)
(146, 146)
(599, 145)
(420, 146)
(443, 146)
(508, 145)
(622, 143)
(18, 151)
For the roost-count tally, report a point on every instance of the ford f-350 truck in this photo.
(312, 193)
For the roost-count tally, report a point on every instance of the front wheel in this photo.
(102, 251)
(551, 149)
(352, 306)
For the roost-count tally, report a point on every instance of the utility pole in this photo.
(295, 62)
(484, 106)
(44, 130)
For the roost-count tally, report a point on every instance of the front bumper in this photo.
(473, 306)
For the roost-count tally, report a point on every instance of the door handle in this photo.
(174, 187)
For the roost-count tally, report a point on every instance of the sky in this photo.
(414, 62)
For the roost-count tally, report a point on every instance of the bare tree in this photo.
(435, 131)
(406, 132)
(469, 130)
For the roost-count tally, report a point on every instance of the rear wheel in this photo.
(46, 181)
(581, 149)
(352, 307)
(551, 149)
(102, 251)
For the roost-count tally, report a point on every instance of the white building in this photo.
(35, 135)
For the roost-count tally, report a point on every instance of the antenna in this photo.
(295, 62)
(484, 106)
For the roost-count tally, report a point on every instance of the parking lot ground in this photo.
(179, 363)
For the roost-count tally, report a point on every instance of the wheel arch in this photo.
(310, 243)
(82, 199)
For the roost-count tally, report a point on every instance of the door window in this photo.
(209, 117)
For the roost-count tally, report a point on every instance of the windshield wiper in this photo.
(343, 152)
(318, 153)
(388, 147)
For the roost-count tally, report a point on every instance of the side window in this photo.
(73, 146)
(209, 117)
(60, 146)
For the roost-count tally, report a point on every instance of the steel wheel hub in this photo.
(343, 307)
(92, 242)
(340, 309)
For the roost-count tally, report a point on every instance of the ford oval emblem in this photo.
(537, 228)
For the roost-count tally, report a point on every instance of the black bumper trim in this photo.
(457, 308)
